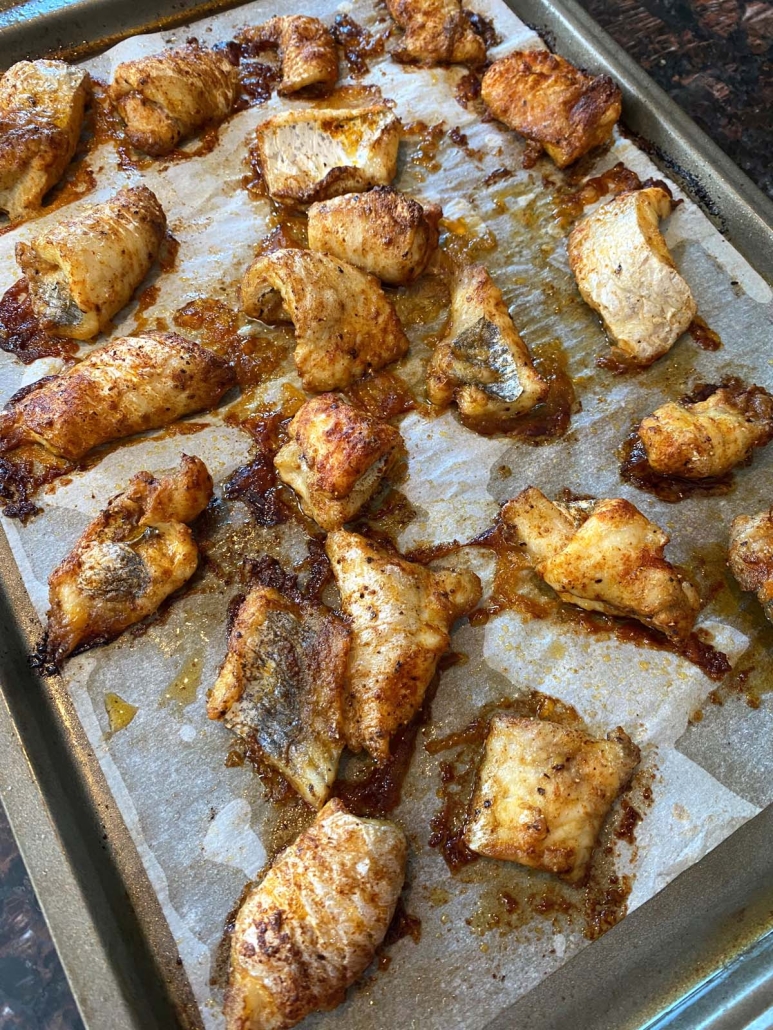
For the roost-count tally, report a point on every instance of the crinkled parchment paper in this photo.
(197, 824)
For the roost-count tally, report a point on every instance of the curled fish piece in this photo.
(750, 556)
(482, 364)
(165, 98)
(306, 932)
(401, 614)
(604, 556)
(436, 32)
(132, 556)
(708, 437)
(625, 272)
(336, 457)
(280, 686)
(345, 325)
(550, 102)
(307, 52)
(84, 269)
(134, 384)
(41, 114)
(383, 232)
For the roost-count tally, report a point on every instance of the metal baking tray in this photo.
(699, 954)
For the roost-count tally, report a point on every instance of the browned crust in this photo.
(345, 325)
(147, 502)
(80, 409)
(102, 254)
(604, 556)
(396, 236)
(436, 32)
(549, 101)
(32, 143)
(750, 556)
(717, 428)
(350, 444)
(528, 842)
(753, 402)
(308, 931)
(144, 93)
(307, 52)
(401, 615)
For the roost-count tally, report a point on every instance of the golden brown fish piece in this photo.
(710, 436)
(625, 272)
(604, 556)
(41, 113)
(383, 232)
(482, 363)
(549, 101)
(400, 615)
(307, 52)
(84, 269)
(316, 154)
(750, 556)
(280, 687)
(543, 792)
(345, 325)
(134, 554)
(436, 32)
(132, 385)
(311, 927)
(166, 98)
(336, 458)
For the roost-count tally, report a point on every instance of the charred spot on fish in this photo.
(113, 572)
(484, 360)
(268, 712)
(267, 571)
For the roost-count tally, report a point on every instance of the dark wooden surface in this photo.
(33, 991)
(715, 58)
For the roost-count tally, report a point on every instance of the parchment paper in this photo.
(197, 824)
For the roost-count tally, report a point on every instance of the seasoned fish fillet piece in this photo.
(41, 113)
(84, 269)
(345, 326)
(133, 555)
(710, 436)
(336, 458)
(280, 687)
(604, 557)
(132, 385)
(483, 364)
(311, 927)
(166, 98)
(383, 232)
(400, 615)
(307, 52)
(625, 272)
(316, 154)
(549, 101)
(436, 32)
(543, 792)
(751, 556)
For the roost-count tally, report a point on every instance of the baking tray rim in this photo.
(99, 934)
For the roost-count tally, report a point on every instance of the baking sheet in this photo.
(200, 842)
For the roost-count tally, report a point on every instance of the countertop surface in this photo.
(33, 990)
(715, 58)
